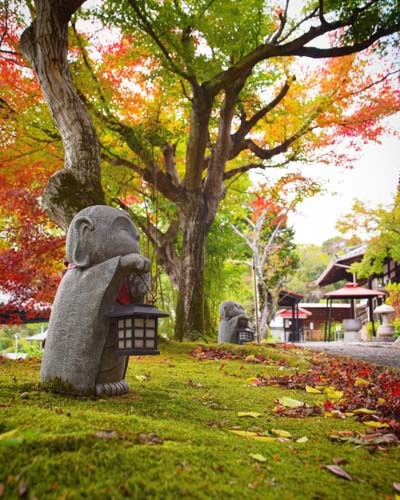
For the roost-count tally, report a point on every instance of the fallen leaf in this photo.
(303, 439)
(106, 434)
(339, 461)
(8, 435)
(364, 411)
(258, 457)
(245, 434)
(251, 414)
(312, 390)
(377, 438)
(332, 393)
(141, 378)
(257, 381)
(396, 486)
(338, 471)
(361, 382)
(281, 433)
(376, 425)
(328, 405)
(253, 435)
(2, 489)
(149, 439)
(289, 402)
(10, 438)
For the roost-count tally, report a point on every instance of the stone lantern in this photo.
(385, 330)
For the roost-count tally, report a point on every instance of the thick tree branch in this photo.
(247, 125)
(297, 47)
(45, 44)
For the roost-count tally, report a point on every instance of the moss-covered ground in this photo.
(171, 436)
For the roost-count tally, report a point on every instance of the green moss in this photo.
(68, 447)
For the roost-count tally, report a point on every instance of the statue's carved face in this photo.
(122, 237)
(99, 233)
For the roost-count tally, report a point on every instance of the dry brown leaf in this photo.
(338, 471)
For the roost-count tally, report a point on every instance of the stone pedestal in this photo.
(351, 329)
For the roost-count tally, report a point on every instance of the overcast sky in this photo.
(373, 179)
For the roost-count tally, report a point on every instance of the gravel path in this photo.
(379, 353)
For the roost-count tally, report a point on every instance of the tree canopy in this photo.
(168, 102)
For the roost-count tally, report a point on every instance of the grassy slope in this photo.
(189, 405)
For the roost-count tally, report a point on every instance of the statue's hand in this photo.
(135, 262)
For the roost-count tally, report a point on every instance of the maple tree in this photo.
(188, 106)
(379, 227)
(271, 240)
(31, 247)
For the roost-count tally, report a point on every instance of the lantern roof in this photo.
(288, 313)
(353, 291)
(289, 299)
(140, 310)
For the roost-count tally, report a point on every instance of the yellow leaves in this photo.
(312, 390)
(253, 435)
(281, 433)
(252, 414)
(364, 411)
(10, 438)
(289, 402)
(361, 382)
(258, 457)
(376, 425)
(332, 393)
(8, 435)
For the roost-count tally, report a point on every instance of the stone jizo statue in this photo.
(103, 252)
(233, 319)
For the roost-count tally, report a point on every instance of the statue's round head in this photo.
(228, 309)
(99, 233)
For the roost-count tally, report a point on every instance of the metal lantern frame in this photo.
(245, 335)
(135, 329)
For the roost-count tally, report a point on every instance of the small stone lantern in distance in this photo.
(135, 329)
(385, 332)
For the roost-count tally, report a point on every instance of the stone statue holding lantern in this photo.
(103, 252)
(234, 327)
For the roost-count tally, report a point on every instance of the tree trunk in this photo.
(191, 312)
(45, 44)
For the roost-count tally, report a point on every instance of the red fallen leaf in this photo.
(328, 405)
(338, 471)
(395, 392)
(364, 372)
(1, 489)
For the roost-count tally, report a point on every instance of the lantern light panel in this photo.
(137, 333)
(135, 328)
